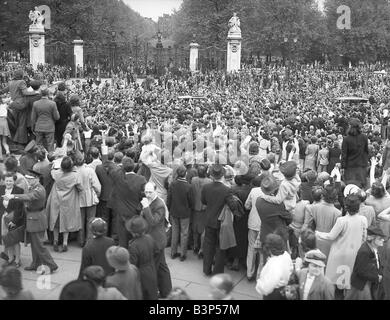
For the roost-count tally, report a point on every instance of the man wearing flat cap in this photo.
(313, 285)
(36, 221)
(366, 278)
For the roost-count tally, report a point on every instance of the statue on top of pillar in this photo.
(36, 17)
(234, 24)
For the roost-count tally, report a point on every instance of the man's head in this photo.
(181, 171)
(118, 156)
(45, 92)
(150, 191)
(221, 285)
(94, 152)
(128, 164)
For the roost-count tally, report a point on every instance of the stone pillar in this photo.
(37, 45)
(78, 56)
(233, 61)
(194, 50)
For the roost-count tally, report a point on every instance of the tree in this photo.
(368, 38)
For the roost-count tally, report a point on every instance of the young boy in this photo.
(94, 252)
(288, 188)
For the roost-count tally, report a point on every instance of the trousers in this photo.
(164, 281)
(106, 213)
(253, 254)
(124, 236)
(40, 255)
(211, 251)
(46, 139)
(87, 214)
(180, 227)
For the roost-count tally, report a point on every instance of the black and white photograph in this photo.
(194, 150)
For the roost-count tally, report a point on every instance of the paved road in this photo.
(187, 275)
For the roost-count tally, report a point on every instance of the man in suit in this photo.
(104, 209)
(43, 116)
(154, 211)
(313, 285)
(367, 273)
(126, 195)
(214, 197)
(180, 204)
(36, 221)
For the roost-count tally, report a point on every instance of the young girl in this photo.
(4, 130)
(142, 251)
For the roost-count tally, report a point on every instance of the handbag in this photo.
(14, 236)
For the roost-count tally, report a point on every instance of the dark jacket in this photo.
(365, 268)
(105, 180)
(214, 196)
(180, 199)
(155, 216)
(127, 193)
(94, 254)
(44, 114)
(354, 152)
(272, 216)
(15, 206)
(64, 109)
(143, 251)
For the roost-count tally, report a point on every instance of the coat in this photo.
(214, 196)
(94, 254)
(365, 268)
(142, 254)
(64, 201)
(354, 152)
(321, 289)
(91, 186)
(348, 234)
(127, 282)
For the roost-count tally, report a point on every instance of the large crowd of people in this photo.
(265, 170)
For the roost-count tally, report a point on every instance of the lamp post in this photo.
(159, 47)
(136, 54)
(113, 47)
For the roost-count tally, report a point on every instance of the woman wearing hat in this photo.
(142, 249)
(367, 270)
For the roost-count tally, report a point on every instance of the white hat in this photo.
(351, 189)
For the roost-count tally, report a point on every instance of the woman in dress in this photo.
(4, 130)
(311, 155)
(12, 218)
(347, 236)
(63, 205)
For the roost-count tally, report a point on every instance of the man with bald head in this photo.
(221, 285)
(154, 211)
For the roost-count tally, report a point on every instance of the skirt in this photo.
(4, 129)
